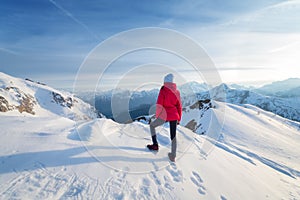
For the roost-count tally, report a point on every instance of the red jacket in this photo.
(168, 105)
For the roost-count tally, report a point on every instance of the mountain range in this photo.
(286, 88)
(286, 107)
(140, 102)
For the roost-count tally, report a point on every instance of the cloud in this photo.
(53, 37)
(289, 45)
(8, 51)
(74, 19)
(279, 17)
(267, 37)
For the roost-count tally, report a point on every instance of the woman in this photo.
(168, 108)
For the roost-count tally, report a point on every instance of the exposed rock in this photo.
(201, 107)
(192, 125)
(4, 106)
(26, 102)
(28, 96)
(40, 83)
(59, 99)
(200, 104)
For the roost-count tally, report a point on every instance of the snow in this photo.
(286, 107)
(53, 156)
(43, 159)
(14, 90)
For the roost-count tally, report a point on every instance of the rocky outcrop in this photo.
(4, 105)
(27, 104)
(23, 102)
(59, 99)
(201, 106)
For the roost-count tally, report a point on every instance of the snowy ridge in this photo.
(19, 97)
(272, 135)
(255, 155)
(114, 163)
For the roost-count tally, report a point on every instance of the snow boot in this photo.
(153, 147)
(171, 157)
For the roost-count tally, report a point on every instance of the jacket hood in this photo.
(171, 86)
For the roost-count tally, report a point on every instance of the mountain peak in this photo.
(224, 86)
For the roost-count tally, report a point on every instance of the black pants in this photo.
(173, 126)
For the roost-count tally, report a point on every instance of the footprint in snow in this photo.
(163, 189)
(174, 172)
(145, 187)
(197, 180)
(223, 198)
(155, 178)
(167, 183)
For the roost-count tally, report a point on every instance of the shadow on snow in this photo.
(66, 157)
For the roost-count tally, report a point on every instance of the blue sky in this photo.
(251, 41)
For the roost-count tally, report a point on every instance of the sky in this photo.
(249, 42)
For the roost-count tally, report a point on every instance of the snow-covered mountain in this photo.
(245, 153)
(26, 97)
(285, 107)
(292, 93)
(286, 88)
(241, 87)
(141, 101)
(190, 88)
(235, 151)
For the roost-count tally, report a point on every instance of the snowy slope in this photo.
(257, 157)
(273, 140)
(245, 153)
(26, 97)
(251, 130)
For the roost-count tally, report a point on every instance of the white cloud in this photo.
(8, 51)
(67, 13)
(282, 17)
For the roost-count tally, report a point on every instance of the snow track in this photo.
(48, 184)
